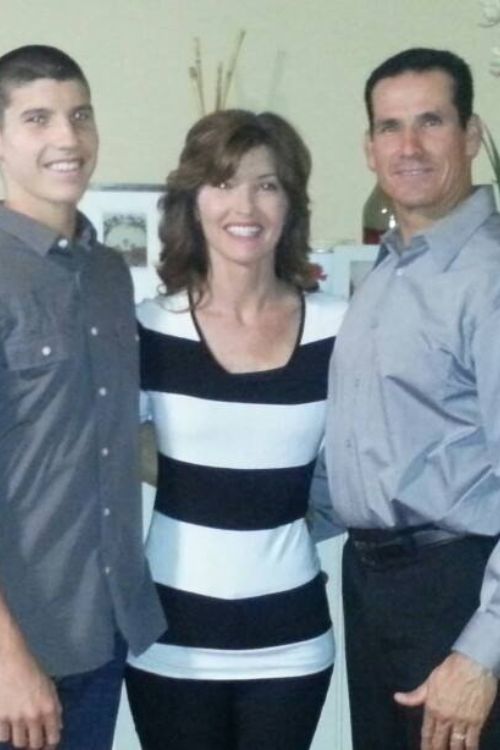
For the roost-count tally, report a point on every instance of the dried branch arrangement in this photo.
(492, 152)
(224, 76)
(491, 17)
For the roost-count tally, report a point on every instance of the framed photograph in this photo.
(349, 266)
(126, 218)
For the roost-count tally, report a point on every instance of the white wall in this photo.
(307, 59)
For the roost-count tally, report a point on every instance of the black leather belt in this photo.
(392, 545)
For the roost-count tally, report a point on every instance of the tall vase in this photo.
(378, 216)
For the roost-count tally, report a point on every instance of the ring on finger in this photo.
(458, 736)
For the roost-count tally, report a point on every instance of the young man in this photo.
(74, 586)
(413, 436)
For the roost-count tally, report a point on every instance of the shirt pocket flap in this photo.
(42, 351)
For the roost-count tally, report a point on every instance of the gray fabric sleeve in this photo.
(320, 513)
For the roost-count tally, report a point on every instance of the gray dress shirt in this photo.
(72, 567)
(413, 430)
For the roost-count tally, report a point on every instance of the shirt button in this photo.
(400, 272)
(63, 243)
(348, 444)
(136, 337)
(103, 391)
(94, 330)
(46, 350)
(105, 452)
(106, 512)
(107, 570)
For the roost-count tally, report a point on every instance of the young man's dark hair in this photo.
(31, 62)
(422, 60)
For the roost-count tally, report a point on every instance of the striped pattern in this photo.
(232, 498)
(228, 547)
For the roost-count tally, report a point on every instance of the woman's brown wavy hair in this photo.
(212, 152)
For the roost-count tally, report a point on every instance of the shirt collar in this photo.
(446, 237)
(40, 237)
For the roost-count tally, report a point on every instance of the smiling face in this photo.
(48, 148)
(421, 154)
(242, 218)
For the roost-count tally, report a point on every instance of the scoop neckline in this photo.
(250, 373)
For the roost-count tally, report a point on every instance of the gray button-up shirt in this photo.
(413, 430)
(71, 559)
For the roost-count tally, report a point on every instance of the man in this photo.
(413, 436)
(74, 586)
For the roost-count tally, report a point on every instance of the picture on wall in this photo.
(340, 269)
(358, 270)
(126, 217)
(350, 264)
(128, 233)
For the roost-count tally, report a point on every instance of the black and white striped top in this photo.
(229, 547)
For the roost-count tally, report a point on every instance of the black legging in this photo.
(271, 714)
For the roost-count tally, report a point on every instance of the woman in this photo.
(234, 367)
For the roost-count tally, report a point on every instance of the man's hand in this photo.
(30, 712)
(457, 698)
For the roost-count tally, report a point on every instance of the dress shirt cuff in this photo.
(320, 511)
(321, 527)
(480, 640)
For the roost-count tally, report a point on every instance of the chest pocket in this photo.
(33, 353)
(42, 325)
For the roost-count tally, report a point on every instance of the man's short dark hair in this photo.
(422, 60)
(31, 62)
